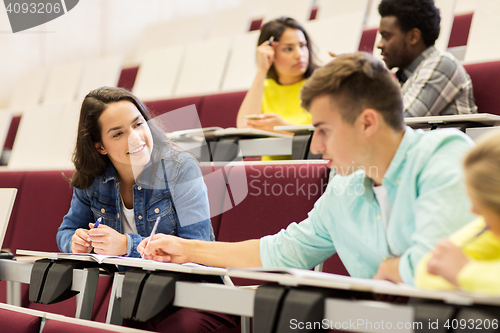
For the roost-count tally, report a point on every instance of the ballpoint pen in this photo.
(97, 222)
(152, 234)
(271, 41)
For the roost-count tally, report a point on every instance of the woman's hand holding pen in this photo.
(106, 240)
(265, 55)
(80, 242)
(165, 248)
(447, 260)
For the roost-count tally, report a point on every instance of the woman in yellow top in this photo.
(470, 259)
(284, 61)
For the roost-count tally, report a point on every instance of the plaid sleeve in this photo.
(433, 87)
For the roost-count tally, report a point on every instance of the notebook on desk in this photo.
(7, 198)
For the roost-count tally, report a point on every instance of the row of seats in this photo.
(221, 109)
(67, 81)
(243, 200)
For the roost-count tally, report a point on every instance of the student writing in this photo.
(397, 192)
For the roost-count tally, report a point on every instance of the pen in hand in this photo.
(97, 223)
(271, 41)
(152, 234)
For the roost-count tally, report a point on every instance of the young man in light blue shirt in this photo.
(397, 192)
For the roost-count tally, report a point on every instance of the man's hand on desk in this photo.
(389, 270)
(165, 248)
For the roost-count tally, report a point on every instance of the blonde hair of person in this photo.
(482, 172)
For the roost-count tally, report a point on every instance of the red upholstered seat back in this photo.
(166, 105)
(367, 41)
(11, 135)
(16, 322)
(221, 109)
(45, 199)
(485, 80)
(127, 78)
(460, 30)
(277, 195)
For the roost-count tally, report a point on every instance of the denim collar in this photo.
(112, 174)
(109, 174)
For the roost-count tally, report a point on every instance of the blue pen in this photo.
(152, 234)
(270, 43)
(97, 222)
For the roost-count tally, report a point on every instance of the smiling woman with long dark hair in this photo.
(128, 176)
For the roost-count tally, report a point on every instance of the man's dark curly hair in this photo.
(420, 14)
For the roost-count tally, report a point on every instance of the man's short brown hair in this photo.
(356, 82)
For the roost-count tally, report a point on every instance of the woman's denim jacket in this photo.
(181, 202)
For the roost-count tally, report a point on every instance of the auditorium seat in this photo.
(44, 199)
(127, 78)
(256, 24)
(203, 67)
(11, 135)
(460, 30)
(62, 82)
(344, 35)
(158, 73)
(160, 107)
(17, 322)
(484, 32)
(367, 41)
(278, 194)
(99, 72)
(28, 90)
(10, 180)
(221, 109)
(241, 65)
(485, 78)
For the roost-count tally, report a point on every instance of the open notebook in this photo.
(7, 198)
(191, 268)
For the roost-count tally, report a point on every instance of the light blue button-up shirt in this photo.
(425, 185)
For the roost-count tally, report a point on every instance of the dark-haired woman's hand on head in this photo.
(267, 122)
(80, 242)
(265, 56)
(108, 241)
(164, 248)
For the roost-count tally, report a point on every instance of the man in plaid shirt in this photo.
(433, 83)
